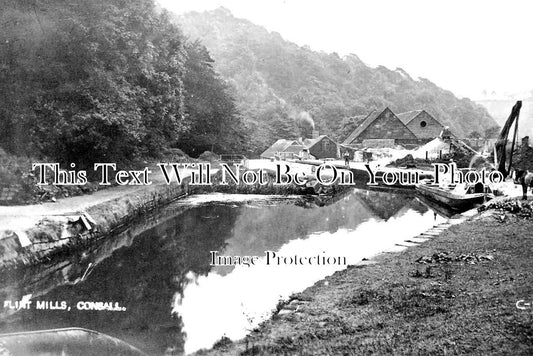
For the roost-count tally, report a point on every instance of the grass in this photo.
(460, 305)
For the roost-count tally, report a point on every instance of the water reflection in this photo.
(175, 301)
(358, 226)
(144, 278)
(438, 209)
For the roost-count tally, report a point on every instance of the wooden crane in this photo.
(504, 164)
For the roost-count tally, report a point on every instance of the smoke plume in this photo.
(305, 117)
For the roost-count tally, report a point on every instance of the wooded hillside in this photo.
(107, 81)
(278, 84)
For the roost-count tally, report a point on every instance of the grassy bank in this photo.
(454, 294)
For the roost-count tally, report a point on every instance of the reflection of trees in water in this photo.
(386, 204)
(146, 275)
(417, 206)
(269, 228)
(71, 265)
(40, 279)
(145, 278)
(258, 230)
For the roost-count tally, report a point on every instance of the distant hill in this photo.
(499, 107)
(279, 86)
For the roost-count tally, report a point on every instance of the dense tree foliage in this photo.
(117, 81)
(492, 132)
(215, 123)
(271, 75)
(103, 80)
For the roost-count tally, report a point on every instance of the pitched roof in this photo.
(310, 142)
(407, 117)
(362, 123)
(280, 145)
(294, 149)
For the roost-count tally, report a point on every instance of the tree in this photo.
(492, 132)
(214, 123)
(267, 71)
(91, 80)
(474, 134)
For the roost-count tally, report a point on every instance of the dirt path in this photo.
(22, 216)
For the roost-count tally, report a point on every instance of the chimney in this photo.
(315, 134)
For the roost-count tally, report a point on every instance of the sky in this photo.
(465, 46)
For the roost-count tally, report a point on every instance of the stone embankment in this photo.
(57, 233)
(30, 235)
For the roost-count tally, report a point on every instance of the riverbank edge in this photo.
(58, 234)
(454, 293)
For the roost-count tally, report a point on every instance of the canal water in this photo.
(169, 299)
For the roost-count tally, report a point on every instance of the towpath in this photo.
(17, 217)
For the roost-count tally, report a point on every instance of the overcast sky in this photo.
(466, 46)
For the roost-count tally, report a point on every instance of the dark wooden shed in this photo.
(422, 124)
(321, 147)
(384, 126)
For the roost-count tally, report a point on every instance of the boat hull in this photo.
(450, 200)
